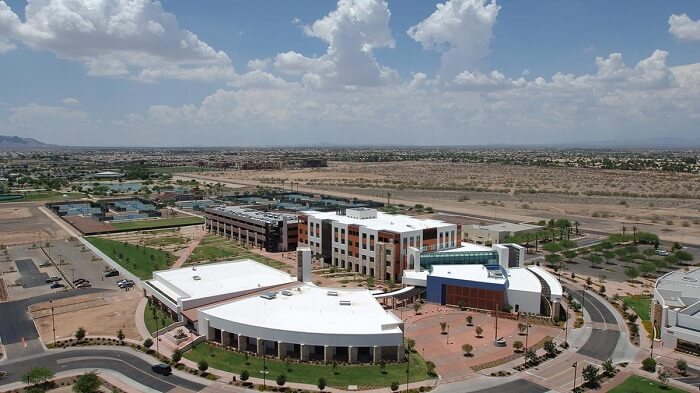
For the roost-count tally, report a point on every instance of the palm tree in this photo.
(443, 327)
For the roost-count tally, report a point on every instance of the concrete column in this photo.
(327, 354)
(376, 354)
(261, 346)
(225, 338)
(242, 342)
(303, 352)
(211, 333)
(281, 349)
(401, 352)
(352, 354)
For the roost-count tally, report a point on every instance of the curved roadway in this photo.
(605, 334)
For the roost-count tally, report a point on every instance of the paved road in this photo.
(16, 325)
(131, 366)
(602, 342)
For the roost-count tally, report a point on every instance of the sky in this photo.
(352, 72)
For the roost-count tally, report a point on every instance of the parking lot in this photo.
(26, 268)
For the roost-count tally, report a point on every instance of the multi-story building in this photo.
(675, 312)
(273, 231)
(369, 242)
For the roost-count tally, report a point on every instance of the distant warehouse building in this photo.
(496, 233)
(273, 231)
(676, 310)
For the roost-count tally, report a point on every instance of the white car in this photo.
(663, 253)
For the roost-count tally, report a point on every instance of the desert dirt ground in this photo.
(22, 223)
(601, 200)
(100, 315)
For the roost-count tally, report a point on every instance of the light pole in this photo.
(575, 371)
(496, 333)
(527, 333)
(53, 323)
(652, 340)
(583, 302)
(448, 333)
(264, 373)
(566, 326)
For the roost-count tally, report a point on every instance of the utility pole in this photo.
(495, 312)
(53, 322)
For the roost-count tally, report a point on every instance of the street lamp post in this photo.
(575, 371)
(448, 333)
(53, 322)
(527, 333)
(566, 325)
(583, 302)
(652, 340)
(264, 373)
(408, 368)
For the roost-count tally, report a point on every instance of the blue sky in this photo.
(54, 88)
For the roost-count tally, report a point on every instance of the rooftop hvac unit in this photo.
(345, 302)
(196, 278)
(332, 293)
(269, 295)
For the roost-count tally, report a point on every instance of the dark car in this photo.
(83, 285)
(112, 273)
(80, 281)
(162, 369)
(57, 285)
(53, 279)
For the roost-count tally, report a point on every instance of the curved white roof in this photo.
(554, 284)
(309, 315)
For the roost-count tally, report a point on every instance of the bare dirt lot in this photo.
(101, 314)
(601, 200)
(22, 223)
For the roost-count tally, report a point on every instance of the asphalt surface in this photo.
(129, 365)
(602, 342)
(17, 326)
(31, 276)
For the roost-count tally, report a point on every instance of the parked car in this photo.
(112, 273)
(80, 281)
(662, 253)
(57, 285)
(45, 264)
(162, 369)
(53, 279)
(83, 285)
(125, 284)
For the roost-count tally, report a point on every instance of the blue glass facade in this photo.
(458, 258)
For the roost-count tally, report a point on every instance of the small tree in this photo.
(382, 366)
(608, 368)
(663, 378)
(649, 364)
(37, 376)
(522, 327)
(87, 383)
(478, 331)
(430, 367)
(394, 386)
(682, 366)
(80, 334)
(416, 307)
(468, 349)
(177, 356)
(245, 375)
(530, 355)
(443, 327)
(410, 345)
(596, 260)
(120, 335)
(281, 380)
(518, 346)
(462, 305)
(470, 320)
(590, 375)
(203, 366)
(631, 273)
(147, 343)
(550, 347)
(321, 384)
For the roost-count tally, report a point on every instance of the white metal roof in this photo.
(465, 247)
(554, 284)
(521, 279)
(476, 273)
(383, 222)
(309, 309)
(221, 278)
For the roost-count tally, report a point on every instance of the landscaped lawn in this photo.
(164, 241)
(157, 223)
(217, 248)
(362, 375)
(46, 196)
(640, 305)
(156, 323)
(635, 384)
(140, 260)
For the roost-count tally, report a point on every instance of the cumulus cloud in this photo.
(461, 30)
(684, 28)
(352, 31)
(127, 38)
(70, 101)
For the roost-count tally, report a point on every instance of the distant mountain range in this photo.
(19, 143)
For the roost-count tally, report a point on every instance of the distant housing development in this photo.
(676, 310)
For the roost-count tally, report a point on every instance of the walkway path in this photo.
(198, 236)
